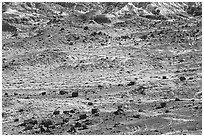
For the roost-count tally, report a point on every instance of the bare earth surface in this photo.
(134, 77)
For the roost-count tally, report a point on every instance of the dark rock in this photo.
(77, 124)
(119, 111)
(30, 121)
(15, 94)
(46, 122)
(42, 129)
(143, 37)
(16, 120)
(182, 78)
(75, 94)
(86, 28)
(65, 112)
(131, 83)
(164, 77)
(84, 126)
(102, 19)
(141, 90)
(82, 116)
(61, 29)
(43, 93)
(28, 127)
(94, 110)
(140, 110)
(136, 116)
(3, 114)
(65, 120)
(90, 103)
(167, 111)
(20, 110)
(7, 27)
(6, 94)
(72, 129)
(62, 92)
(163, 104)
(100, 86)
(27, 97)
(177, 99)
(56, 112)
(72, 111)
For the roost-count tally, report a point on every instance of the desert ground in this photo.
(86, 69)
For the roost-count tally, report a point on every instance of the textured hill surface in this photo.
(102, 68)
